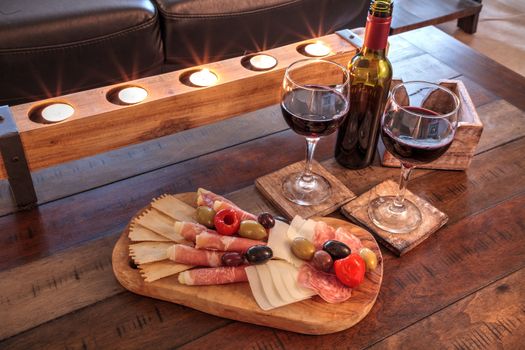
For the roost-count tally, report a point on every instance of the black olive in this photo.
(336, 249)
(266, 220)
(258, 254)
(232, 259)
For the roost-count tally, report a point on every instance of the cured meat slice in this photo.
(190, 230)
(323, 233)
(207, 198)
(243, 215)
(190, 256)
(326, 285)
(345, 236)
(210, 276)
(224, 243)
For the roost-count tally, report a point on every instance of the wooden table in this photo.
(412, 14)
(464, 288)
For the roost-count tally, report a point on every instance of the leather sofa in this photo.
(55, 47)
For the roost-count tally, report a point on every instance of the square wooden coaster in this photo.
(270, 186)
(399, 243)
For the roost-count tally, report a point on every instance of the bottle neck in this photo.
(376, 33)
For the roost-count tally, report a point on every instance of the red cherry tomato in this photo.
(350, 270)
(226, 222)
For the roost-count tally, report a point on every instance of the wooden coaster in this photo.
(399, 243)
(270, 186)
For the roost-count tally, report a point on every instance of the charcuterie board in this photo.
(235, 301)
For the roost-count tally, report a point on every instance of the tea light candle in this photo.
(263, 61)
(132, 94)
(57, 112)
(317, 49)
(203, 77)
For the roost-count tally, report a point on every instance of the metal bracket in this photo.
(15, 162)
(351, 37)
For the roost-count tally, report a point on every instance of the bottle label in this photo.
(376, 32)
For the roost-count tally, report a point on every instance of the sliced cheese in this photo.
(307, 230)
(268, 284)
(289, 276)
(279, 242)
(295, 225)
(279, 276)
(175, 208)
(256, 287)
(159, 223)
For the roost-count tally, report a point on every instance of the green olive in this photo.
(205, 216)
(303, 248)
(370, 258)
(252, 229)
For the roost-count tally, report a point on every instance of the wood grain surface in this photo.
(236, 301)
(57, 288)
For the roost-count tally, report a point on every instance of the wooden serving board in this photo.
(235, 301)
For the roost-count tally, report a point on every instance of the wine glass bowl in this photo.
(417, 127)
(314, 102)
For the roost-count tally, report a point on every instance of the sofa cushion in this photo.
(54, 47)
(200, 31)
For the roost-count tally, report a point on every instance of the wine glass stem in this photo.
(311, 142)
(403, 180)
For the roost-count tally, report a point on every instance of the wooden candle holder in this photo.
(99, 124)
(468, 133)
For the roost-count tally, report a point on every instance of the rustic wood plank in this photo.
(56, 285)
(81, 175)
(99, 126)
(480, 69)
(490, 318)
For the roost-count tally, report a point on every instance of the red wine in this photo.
(314, 112)
(416, 140)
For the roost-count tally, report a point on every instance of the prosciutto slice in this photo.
(210, 276)
(190, 256)
(323, 233)
(243, 215)
(326, 285)
(207, 198)
(225, 243)
(189, 230)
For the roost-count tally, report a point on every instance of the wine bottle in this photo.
(370, 76)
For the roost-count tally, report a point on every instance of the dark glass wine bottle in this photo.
(370, 76)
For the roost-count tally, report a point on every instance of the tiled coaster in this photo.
(270, 186)
(399, 243)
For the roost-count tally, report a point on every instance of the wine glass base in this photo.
(385, 215)
(306, 190)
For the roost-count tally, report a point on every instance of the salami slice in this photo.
(190, 256)
(323, 233)
(225, 243)
(326, 285)
(210, 276)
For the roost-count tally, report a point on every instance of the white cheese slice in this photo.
(268, 285)
(289, 275)
(256, 287)
(295, 226)
(279, 275)
(307, 230)
(279, 242)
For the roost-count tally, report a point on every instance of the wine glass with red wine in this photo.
(417, 127)
(314, 102)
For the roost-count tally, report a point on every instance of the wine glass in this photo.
(314, 102)
(417, 127)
